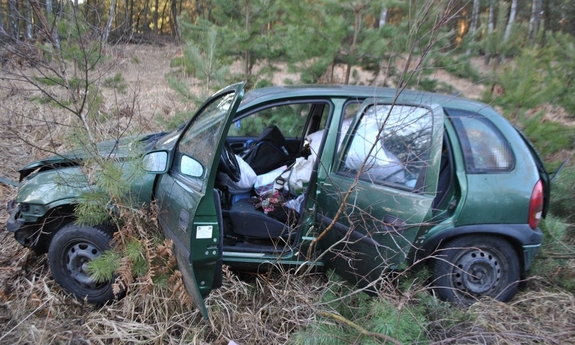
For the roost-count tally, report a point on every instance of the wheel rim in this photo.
(77, 258)
(476, 272)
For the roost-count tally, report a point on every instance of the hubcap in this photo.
(477, 272)
(77, 259)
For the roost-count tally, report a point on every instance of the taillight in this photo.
(536, 205)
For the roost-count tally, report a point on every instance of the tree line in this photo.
(311, 37)
(127, 18)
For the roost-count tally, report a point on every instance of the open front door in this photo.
(385, 178)
(188, 206)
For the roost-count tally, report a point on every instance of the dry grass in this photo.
(533, 317)
(34, 310)
(260, 309)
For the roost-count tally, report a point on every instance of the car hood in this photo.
(117, 149)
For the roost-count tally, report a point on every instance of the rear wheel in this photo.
(472, 267)
(71, 249)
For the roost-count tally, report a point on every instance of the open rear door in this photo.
(188, 207)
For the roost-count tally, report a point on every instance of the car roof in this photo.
(266, 94)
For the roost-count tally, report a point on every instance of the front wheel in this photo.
(71, 249)
(471, 267)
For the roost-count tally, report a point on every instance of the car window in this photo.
(315, 138)
(202, 136)
(290, 118)
(349, 112)
(397, 154)
(484, 147)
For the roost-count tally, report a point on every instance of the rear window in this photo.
(484, 147)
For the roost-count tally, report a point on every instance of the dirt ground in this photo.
(33, 310)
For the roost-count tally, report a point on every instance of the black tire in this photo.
(71, 249)
(471, 267)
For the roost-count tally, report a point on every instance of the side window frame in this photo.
(311, 102)
(347, 120)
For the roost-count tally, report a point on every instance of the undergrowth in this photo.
(140, 258)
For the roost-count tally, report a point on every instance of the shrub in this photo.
(555, 261)
(562, 194)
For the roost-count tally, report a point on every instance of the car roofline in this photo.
(262, 95)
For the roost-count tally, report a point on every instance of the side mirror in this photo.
(156, 162)
(191, 167)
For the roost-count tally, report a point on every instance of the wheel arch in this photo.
(57, 217)
(517, 235)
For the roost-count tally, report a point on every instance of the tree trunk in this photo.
(28, 14)
(126, 19)
(199, 8)
(50, 11)
(247, 51)
(131, 16)
(13, 17)
(156, 16)
(174, 21)
(474, 21)
(490, 27)
(512, 14)
(2, 18)
(383, 16)
(88, 13)
(109, 24)
(535, 20)
(145, 27)
(491, 17)
(163, 16)
(474, 17)
(356, 27)
(546, 12)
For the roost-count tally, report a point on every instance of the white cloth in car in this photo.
(381, 163)
(247, 178)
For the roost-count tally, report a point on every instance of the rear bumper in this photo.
(529, 252)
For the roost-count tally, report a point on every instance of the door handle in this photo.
(393, 224)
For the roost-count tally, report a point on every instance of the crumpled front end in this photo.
(26, 234)
(45, 198)
(13, 223)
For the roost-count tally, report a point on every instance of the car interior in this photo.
(247, 225)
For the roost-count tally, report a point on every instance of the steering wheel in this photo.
(229, 164)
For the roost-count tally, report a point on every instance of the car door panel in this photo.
(187, 210)
(381, 218)
(378, 224)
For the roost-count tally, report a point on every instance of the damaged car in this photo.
(359, 179)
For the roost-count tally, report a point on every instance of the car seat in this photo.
(253, 223)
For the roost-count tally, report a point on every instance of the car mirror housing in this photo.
(156, 162)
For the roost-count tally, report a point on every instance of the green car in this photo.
(359, 179)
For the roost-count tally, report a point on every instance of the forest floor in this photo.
(34, 310)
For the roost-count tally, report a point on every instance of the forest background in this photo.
(67, 72)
